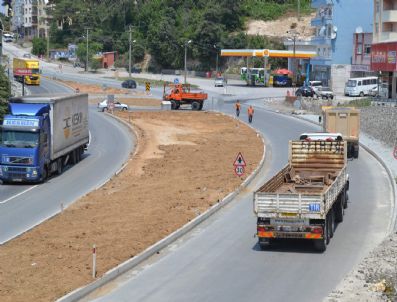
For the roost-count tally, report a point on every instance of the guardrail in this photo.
(377, 101)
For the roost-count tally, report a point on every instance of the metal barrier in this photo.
(386, 102)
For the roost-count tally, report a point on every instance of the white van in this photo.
(361, 86)
(315, 85)
(7, 38)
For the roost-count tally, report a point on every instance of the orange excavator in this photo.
(180, 94)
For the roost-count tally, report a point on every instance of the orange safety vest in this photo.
(250, 111)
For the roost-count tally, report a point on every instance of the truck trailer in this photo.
(345, 120)
(27, 65)
(41, 135)
(307, 197)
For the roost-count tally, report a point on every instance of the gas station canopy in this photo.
(268, 53)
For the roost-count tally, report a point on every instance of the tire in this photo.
(124, 109)
(105, 109)
(195, 106)
(178, 105)
(346, 204)
(321, 244)
(355, 154)
(201, 106)
(44, 175)
(339, 207)
(331, 227)
(173, 105)
(361, 94)
(59, 166)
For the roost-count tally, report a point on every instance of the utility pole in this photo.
(1, 41)
(299, 10)
(216, 66)
(186, 43)
(129, 52)
(48, 44)
(86, 58)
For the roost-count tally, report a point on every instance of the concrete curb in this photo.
(392, 224)
(131, 263)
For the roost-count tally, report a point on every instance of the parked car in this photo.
(220, 82)
(103, 106)
(325, 93)
(27, 55)
(128, 84)
(315, 85)
(306, 91)
(7, 38)
(282, 81)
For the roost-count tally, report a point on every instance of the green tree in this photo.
(93, 48)
(95, 64)
(39, 46)
(5, 92)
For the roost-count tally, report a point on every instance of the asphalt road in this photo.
(221, 261)
(24, 206)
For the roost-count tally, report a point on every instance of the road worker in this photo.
(250, 114)
(238, 106)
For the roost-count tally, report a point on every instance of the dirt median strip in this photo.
(183, 166)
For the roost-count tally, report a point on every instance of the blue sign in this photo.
(314, 207)
(176, 81)
(21, 122)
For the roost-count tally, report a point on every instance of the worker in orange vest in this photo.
(238, 106)
(250, 114)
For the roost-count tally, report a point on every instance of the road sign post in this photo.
(239, 165)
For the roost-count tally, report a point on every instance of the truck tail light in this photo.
(317, 230)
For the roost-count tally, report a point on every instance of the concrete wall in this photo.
(340, 73)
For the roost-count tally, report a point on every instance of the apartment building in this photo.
(335, 23)
(384, 47)
(30, 18)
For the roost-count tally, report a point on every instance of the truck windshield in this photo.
(19, 139)
(35, 71)
(351, 83)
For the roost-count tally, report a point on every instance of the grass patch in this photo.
(359, 103)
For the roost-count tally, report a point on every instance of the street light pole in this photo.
(129, 52)
(295, 77)
(186, 43)
(216, 66)
(86, 57)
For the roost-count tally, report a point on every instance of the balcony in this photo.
(389, 16)
(321, 40)
(388, 36)
(319, 21)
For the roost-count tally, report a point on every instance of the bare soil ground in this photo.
(177, 173)
(279, 28)
(130, 101)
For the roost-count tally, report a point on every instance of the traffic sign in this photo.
(266, 52)
(239, 160)
(239, 170)
(176, 81)
(147, 86)
(395, 152)
(22, 71)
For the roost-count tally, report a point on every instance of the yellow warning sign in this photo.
(147, 86)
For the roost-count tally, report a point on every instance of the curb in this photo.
(144, 255)
(392, 224)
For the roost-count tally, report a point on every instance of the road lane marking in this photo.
(19, 194)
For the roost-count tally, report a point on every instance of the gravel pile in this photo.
(380, 123)
(374, 279)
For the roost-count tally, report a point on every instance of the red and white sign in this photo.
(22, 71)
(239, 170)
(239, 165)
(239, 160)
(395, 152)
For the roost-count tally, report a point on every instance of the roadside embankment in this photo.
(183, 165)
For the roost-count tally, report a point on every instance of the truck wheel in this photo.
(44, 175)
(178, 105)
(173, 105)
(331, 227)
(59, 166)
(355, 153)
(361, 94)
(195, 106)
(321, 244)
(339, 207)
(345, 204)
(201, 106)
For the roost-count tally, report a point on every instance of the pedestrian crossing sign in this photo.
(239, 160)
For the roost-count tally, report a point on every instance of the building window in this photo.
(359, 49)
(377, 6)
(367, 49)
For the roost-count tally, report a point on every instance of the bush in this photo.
(39, 46)
(5, 92)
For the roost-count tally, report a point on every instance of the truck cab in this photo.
(24, 143)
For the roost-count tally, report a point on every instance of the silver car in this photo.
(219, 82)
(105, 106)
